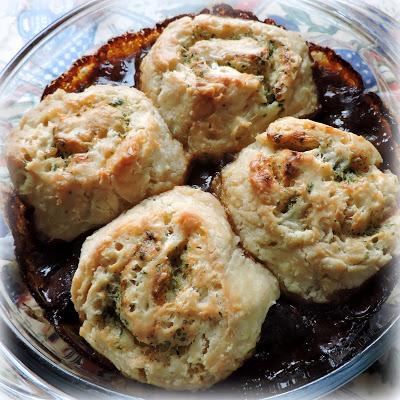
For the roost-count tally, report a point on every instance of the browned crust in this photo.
(327, 60)
(84, 71)
(369, 117)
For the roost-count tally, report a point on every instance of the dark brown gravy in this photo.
(299, 342)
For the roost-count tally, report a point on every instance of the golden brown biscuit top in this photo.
(310, 202)
(164, 289)
(81, 158)
(323, 178)
(219, 81)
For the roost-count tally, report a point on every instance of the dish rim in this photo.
(23, 52)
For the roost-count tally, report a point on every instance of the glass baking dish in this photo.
(359, 33)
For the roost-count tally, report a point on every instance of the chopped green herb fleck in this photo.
(269, 96)
(289, 205)
(164, 346)
(271, 48)
(344, 173)
(372, 230)
(350, 177)
(126, 119)
(117, 102)
(180, 335)
(186, 56)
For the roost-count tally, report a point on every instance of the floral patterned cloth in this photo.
(20, 20)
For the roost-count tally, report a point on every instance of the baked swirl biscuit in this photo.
(310, 202)
(81, 158)
(167, 296)
(220, 81)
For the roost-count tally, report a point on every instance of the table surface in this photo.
(20, 20)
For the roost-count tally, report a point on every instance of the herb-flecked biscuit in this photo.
(309, 201)
(80, 159)
(165, 293)
(219, 81)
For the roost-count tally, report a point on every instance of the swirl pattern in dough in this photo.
(165, 293)
(309, 201)
(80, 159)
(219, 81)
